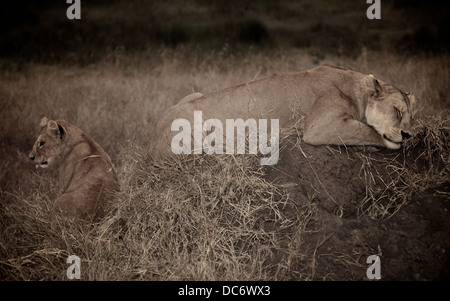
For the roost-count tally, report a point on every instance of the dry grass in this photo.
(208, 218)
(196, 218)
(391, 181)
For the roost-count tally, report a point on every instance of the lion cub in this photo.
(87, 180)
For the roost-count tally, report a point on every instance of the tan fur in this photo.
(329, 105)
(191, 97)
(87, 180)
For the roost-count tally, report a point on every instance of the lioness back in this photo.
(326, 105)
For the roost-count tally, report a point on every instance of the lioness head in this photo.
(49, 144)
(389, 112)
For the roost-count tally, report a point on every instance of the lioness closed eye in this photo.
(87, 180)
(328, 105)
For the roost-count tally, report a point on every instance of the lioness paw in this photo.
(392, 145)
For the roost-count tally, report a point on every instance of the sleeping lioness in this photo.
(327, 105)
(87, 180)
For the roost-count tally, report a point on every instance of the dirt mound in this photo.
(386, 203)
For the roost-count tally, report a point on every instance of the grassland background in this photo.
(115, 71)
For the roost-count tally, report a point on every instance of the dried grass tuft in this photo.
(392, 180)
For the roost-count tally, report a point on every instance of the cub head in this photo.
(49, 145)
(389, 112)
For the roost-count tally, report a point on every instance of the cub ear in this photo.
(56, 129)
(43, 122)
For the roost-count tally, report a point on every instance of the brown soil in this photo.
(410, 233)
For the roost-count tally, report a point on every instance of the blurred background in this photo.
(39, 31)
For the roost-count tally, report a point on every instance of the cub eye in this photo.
(41, 144)
(398, 112)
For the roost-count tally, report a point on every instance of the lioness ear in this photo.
(56, 129)
(374, 86)
(43, 122)
(377, 87)
(412, 99)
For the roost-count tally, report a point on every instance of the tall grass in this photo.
(180, 221)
